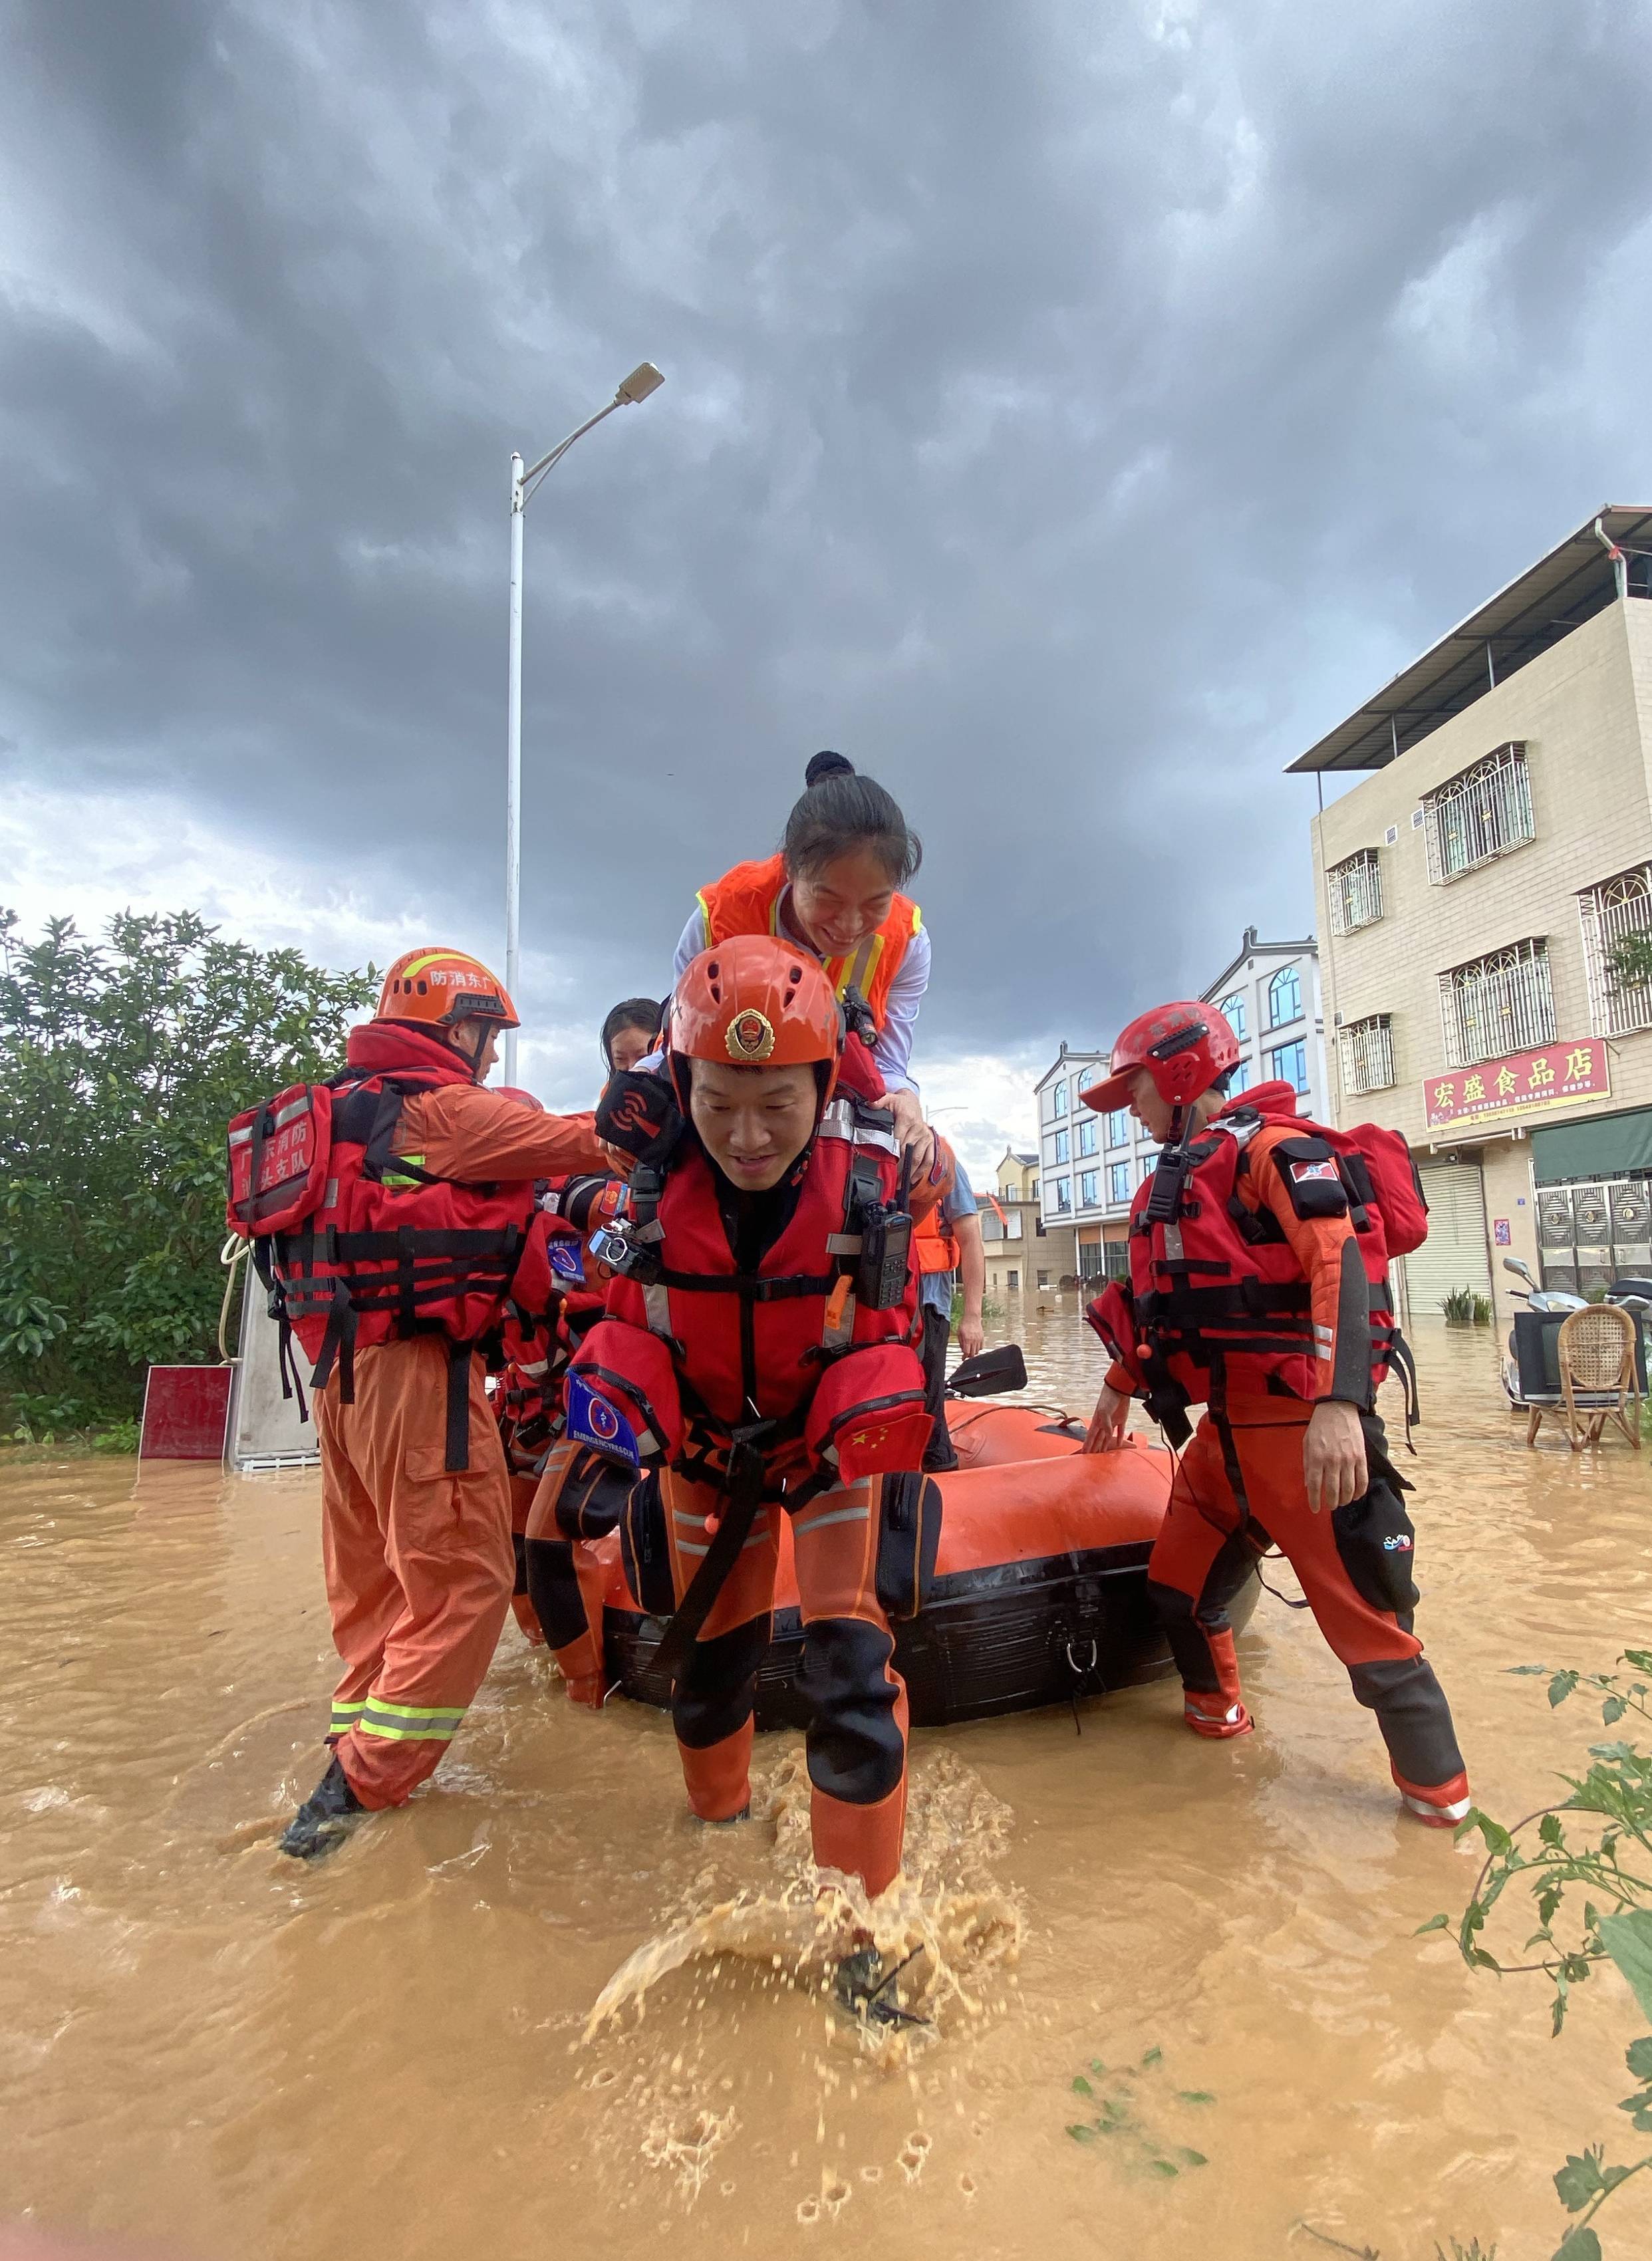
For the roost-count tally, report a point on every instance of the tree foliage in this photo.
(1629, 961)
(120, 1063)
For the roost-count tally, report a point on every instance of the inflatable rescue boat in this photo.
(1040, 1587)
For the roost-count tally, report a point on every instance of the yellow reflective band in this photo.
(705, 913)
(395, 1177)
(418, 1710)
(918, 919)
(443, 1734)
(431, 957)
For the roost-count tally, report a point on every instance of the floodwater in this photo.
(204, 2045)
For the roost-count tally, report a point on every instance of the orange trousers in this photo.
(856, 1735)
(1236, 1493)
(420, 1564)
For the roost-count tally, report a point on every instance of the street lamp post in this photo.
(644, 379)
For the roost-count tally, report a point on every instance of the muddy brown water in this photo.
(203, 2046)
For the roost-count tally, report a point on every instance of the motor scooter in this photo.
(1632, 1295)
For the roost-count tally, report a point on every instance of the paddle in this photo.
(989, 1371)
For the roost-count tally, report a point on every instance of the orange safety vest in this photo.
(747, 901)
(934, 1243)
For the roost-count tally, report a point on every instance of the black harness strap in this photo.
(742, 1494)
(458, 1453)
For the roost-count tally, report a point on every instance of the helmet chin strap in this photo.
(1178, 1125)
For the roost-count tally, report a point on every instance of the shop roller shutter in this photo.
(1454, 1253)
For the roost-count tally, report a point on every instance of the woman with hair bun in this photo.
(834, 888)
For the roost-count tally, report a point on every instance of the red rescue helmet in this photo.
(1184, 1047)
(439, 988)
(759, 1003)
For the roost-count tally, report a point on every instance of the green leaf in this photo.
(1190, 2158)
(1434, 1923)
(1080, 2134)
(1115, 2111)
(1561, 1686)
(1163, 2167)
(1496, 1837)
(1203, 2095)
(1638, 2057)
(1153, 2056)
(1612, 1711)
(1627, 1940)
(1640, 1658)
(1579, 2245)
(1579, 2180)
(1529, 1671)
(1616, 1753)
(1081, 2087)
(1096, 2065)
(1549, 1829)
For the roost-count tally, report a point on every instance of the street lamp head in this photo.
(644, 379)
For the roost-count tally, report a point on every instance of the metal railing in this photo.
(1366, 1050)
(1611, 913)
(1479, 815)
(1355, 889)
(1501, 1004)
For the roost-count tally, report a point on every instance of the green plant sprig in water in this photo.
(1117, 2118)
(1615, 1925)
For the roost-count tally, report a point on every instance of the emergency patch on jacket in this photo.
(591, 1420)
(566, 1261)
(1311, 1178)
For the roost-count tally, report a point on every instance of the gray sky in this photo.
(1071, 410)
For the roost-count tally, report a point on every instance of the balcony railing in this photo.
(1503, 1003)
(1611, 914)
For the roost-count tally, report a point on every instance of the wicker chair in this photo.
(1595, 1352)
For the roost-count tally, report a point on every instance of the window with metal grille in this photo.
(1355, 889)
(1479, 815)
(1611, 913)
(1367, 1055)
(1503, 1003)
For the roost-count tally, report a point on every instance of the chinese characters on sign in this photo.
(1553, 1076)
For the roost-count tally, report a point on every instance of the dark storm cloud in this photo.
(1071, 413)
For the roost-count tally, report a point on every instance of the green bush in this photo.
(1458, 1307)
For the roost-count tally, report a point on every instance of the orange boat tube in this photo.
(1040, 1586)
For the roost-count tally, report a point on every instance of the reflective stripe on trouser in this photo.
(419, 1563)
(855, 1739)
(1206, 1550)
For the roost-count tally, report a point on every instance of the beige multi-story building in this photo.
(1023, 1253)
(1471, 891)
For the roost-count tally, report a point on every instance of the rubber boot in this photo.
(1442, 1807)
(1217, 1721)
(325, 1818)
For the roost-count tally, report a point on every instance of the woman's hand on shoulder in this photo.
(911, 1130)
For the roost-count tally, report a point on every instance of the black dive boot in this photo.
(330, 1813)
(864, 1988)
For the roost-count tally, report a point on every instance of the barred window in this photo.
(1503, 1003)
(1368, 1054)
(1617, 911)
(1479, 815)
(1355, 889)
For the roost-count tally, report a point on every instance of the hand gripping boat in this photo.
(1040, 1587)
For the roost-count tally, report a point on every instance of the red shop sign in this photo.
(1553, 1076)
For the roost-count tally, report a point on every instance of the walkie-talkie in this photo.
(885, 1247)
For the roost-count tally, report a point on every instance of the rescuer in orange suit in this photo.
(1257, 1288)
(758, 1353)
(427, 1166)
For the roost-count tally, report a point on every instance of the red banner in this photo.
(1555, 1076)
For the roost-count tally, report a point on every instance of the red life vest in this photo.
(534, 1345)
(767, 1341)
(359, 1244)
(1219, 1303)
(747, 901)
